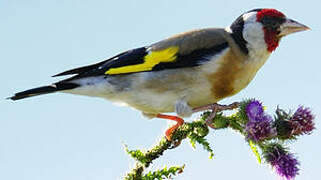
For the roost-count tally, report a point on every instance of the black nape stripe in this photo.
(237, 34)
(255, 10)
(195, 58)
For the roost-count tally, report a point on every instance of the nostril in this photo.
(292, 20)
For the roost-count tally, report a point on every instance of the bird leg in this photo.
(170, 130)
(215, 108)
(209, 120)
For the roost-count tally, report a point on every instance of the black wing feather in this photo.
(136, 56)
(195, 58)
(60, 86)
(87, 68)
(131, 57)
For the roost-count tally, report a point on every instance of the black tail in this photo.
(44, 90)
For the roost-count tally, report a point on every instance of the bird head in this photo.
(263, 28)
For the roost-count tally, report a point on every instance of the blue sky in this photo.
(69, 137)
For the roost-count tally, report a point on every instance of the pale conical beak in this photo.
(290, 26)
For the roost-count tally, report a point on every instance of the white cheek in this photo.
(253, 33)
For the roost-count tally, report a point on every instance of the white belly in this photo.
(151, 92)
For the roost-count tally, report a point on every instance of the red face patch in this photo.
(270, 36)
(271, 40)
(268, 12)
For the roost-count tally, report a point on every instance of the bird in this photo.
(183, 74)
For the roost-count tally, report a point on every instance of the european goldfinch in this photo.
(186, 73)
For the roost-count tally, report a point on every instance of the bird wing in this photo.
(183, 50)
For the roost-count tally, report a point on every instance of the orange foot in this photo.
(170, 130)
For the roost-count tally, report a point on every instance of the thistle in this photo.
(282, 161)
(302, 121)
(259, 125)
(289, 126)
(254, 109)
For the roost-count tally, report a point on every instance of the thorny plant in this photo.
(266, 135)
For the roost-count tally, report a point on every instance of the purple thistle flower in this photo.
(259, 125)
(254, 109)
(283, 162)
(302, 121)
(260, 128)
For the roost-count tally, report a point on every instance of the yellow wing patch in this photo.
(150, 60)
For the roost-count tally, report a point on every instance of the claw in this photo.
(209, 119)
(215, 108)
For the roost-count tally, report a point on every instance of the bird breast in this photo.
(232, 73)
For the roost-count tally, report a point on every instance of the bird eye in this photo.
(271, 22)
